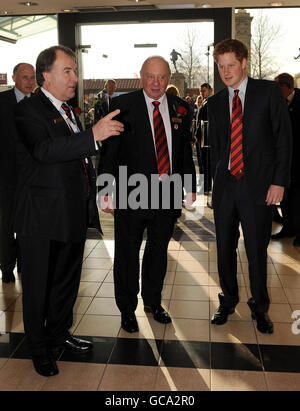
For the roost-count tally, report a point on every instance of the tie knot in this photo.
(65, 107)
(156, 103)
(67, 110)
(236, 92)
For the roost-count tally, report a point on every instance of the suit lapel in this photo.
(173, 114)
(144, 125)
(54, 116)
(225, 109)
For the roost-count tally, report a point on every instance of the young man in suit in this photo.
(55, 205)
(155, 143)
(24, 78)
(290, 205)
(250, 135)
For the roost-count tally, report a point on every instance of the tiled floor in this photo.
(188, 355)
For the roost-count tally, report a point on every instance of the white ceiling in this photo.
(57, 6)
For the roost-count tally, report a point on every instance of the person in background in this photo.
(24, 79)
(202, 137)
(103, 101)
(290, 205)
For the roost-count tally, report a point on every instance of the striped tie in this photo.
(161, 145)
(67, 110)
(236, 146)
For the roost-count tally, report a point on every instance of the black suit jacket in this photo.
(267, 139)
(52, 199)
(134, 148)
(8, 137)
(294, 110)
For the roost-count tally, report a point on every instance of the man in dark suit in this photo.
(154, 145)
(55, 205)
(290, 205)
(202, 136)
(250, 135)
(24, 78)
(104, 98)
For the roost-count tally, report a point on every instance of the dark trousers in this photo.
(290, 207)
(8, 243)
(50, 279)
(236, 208)
(205, 158)
(129, 230)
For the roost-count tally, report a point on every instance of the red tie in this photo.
(236, 147)
(67, 110)
(161, 145)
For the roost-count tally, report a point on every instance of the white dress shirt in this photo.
(19, 95)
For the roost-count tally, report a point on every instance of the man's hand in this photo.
(190, 199)
(275, 195)
(107, 127)
(106, 204)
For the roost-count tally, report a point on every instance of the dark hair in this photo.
(46, 59)
(231, 46)
(285, 79)
(206, 85)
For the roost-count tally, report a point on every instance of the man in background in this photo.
(202, 136)
(24, 78)
(290, 205)
(104, 97)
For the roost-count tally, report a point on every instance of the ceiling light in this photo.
(28, 3)
(275, 4)
(205, 6)
(175, 6)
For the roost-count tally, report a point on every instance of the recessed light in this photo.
(275, 4)
(28, 3)
(206, 6)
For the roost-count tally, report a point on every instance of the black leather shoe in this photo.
(296, 242)
(159, 314)
(77, 346)
(263, 323)
(129, 322)
(221, 315)
(8, 277)
(281, 234)
(44, 365)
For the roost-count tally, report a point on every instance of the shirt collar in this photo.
(149, 100)
(57, 103)
(20, 95)
(242, 87)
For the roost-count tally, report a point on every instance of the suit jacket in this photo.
(135, 147)
(52, 199)
(294, 110)
(8, 137)
(267, 139)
